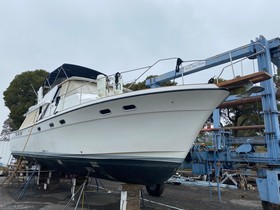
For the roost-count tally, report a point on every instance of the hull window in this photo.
(130, 107)
(62, 122)
(105, 111)
(51, 124)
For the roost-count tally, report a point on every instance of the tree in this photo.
(142, 85)
(19, 96)
(5, 133)
(242, 115)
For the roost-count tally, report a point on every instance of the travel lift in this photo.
(268, 181)
(268, 173)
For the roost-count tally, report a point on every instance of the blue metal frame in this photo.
(269, 104)
(266, 52)
(235, 54)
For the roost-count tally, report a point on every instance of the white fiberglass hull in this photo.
(151, 126)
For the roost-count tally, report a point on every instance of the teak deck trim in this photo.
(240, 81)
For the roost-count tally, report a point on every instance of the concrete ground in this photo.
(176, 197)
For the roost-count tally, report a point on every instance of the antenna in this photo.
(34, 90)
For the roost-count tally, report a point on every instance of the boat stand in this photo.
(19, 194)
(80, 189)
(45, 176)
(130, 196)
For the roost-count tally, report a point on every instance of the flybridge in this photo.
(69, 70)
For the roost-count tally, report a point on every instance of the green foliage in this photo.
(218, 80)
(19, 96)
(205, 137)
(142, 85)
(243, 115)
(6, 130)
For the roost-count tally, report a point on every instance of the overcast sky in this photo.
(113, 35)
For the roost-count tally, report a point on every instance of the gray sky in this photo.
(112, 35)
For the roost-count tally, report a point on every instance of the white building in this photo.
(5, 152)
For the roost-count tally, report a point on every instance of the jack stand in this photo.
(73, 189)
(23, 188)
(49, 177)
(48, 180)
(40, 176)
(39, 173)
(130, 197)
(81, 188)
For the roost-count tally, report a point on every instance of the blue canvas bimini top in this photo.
(69, 70)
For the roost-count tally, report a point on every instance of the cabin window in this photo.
(130, 107)
(57, 99)
(105, 111)
(56, 94)
(51, 124)
(62, 122)
(74, 87)
(39, 128)
(75, 92)
(30, 119)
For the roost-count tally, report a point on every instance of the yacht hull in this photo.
(138, 137)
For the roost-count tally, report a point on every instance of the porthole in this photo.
(39, 128)
(62, 122)
(105, 111)
(130, 107)
(51, 124)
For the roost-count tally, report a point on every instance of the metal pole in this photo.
(231, 64)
